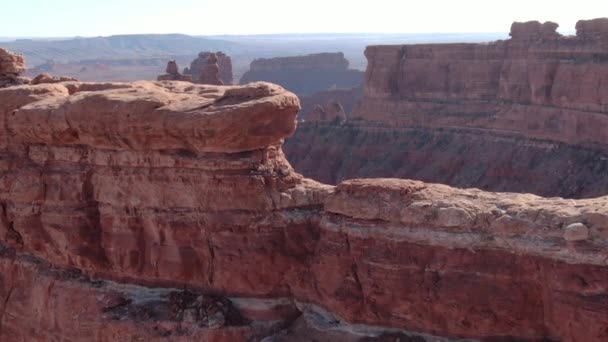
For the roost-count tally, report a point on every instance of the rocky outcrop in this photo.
(333, 112)
(210, 71)
(431, 108)
(305, 75)
(173, 74)
(11, 68)
(167, 211)
(534, 30)
(46, 78)
(595, 29)
(201, 71)
(346, 98)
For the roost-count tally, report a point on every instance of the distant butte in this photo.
(305, 75)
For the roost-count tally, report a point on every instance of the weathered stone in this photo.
(534, 30)
(173, 74)
(592, 29)
(11, 67)
(576, 232)
(46, 78)
(200, 70)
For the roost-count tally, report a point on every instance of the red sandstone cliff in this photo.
(492, 115)
(167, 211)
(305, 75)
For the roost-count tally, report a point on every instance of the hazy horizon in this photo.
(70, 18)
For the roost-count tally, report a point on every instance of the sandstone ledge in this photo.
(151, 115)
(177, 185)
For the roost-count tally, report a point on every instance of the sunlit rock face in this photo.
(167, 211)
(527, 114)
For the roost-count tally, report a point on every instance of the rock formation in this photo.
(305, 75)
(210, 71)
(11, 68)
(528, 114)
(346, 98)
(332, 112)
(595, 29)
(173, 74)
(166, 211)
(46, 78)
(199, 68)
(534, 30)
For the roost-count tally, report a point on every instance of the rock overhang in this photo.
(152, 115)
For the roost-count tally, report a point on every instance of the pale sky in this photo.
(64, 18)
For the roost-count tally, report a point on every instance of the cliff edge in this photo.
(167, 211)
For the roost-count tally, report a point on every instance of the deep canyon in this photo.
(528, 114)
(168, 211)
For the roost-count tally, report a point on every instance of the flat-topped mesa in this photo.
(12, 66)
(595, 29)
(305, 75)
(534, 30)
(198, 65)
(325, 60)
(173, 74)
(560, 79)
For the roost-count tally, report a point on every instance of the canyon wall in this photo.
(166, 211)
(526, 114)
(305, 75)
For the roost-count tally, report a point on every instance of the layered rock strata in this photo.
(167, 211)
(431, 108)
(305, 75)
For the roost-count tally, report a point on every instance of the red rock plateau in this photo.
(305, 75)
(527, 114)
(166, 211)
(201, 73)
